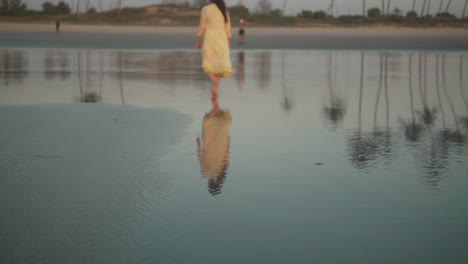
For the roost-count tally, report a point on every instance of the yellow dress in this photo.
(216, 56)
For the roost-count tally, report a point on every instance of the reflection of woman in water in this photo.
(213, 152)
(241, 30)
(215, 28)
(241, 70)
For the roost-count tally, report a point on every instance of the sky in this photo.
(292, 7)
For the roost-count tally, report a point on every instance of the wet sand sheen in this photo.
(85, 176)
(322, 152)
(112, 37)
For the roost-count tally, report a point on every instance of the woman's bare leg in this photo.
(216, 79)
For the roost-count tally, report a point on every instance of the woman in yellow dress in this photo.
(215, 28)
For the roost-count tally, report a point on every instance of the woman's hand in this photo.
(198, 43)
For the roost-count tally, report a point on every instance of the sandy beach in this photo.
(386, 30)
(140, 37)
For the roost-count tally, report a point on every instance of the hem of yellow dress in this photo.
(224, 74)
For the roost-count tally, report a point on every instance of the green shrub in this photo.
(374, 12)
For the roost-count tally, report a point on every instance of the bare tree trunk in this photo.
(449, 99)
(461, 83)
(86, 6)
(448, 5)
(122, 95)
(383, 7)
(331, 7)
(440, 6)
(364, 7)
(411, 87)
(439, 99)
(119, 6)
(361, 88)
(100, 6)
(464, 9)
(388, 6)
(77, 7)
(414, 6)
(423, 7)
(377, 100)
(284, 6)
(428, 7)
(387, 100)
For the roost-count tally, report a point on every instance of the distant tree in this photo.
(307, 14)
(264, 7)
(319, 14)
(63, 8)
(91, 11)
(199, 3)
(48, 8)
(397, 11)
(374, 12)
(238, 10)
(12, 7)
(411, 14)
(448, 5)
(4, 4)
(446, 15)
(276, 12)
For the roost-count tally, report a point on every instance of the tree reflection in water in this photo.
(288, 95)
(213, 148)
(89, 92)
(263, 65)
(361, 146)
(428, 115)
(464, 118)
(412, 128)
(13, 66)
(336, 110)
(435, 148)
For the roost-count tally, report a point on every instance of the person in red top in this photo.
(241, 30)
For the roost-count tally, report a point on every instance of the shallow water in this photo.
(313, 156)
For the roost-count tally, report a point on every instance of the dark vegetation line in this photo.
(187, 14)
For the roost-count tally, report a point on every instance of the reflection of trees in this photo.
(213, 149)
(412, 129)
(89, 93)
(428, 115)
(56, 64)
(13, 64)
(241, 69)
(362, 148)
(435, 156)
(382, 137)
(455, 136)
(288, 103)
(169, 68)
(263, 66)
(336, 111)
(465, 101)
(120, 65)
(435, 146)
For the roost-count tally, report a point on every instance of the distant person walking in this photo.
(57, 26)
(215, 29)
(241, 30)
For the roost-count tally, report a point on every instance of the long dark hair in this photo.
(222, 7)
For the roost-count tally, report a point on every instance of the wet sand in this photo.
(327, 151)
(135, 37)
